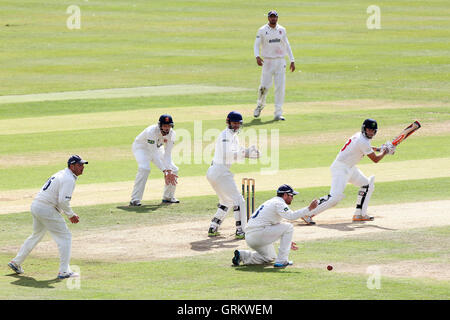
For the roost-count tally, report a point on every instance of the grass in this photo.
(166, 279)
(15, 227)
(125, 44)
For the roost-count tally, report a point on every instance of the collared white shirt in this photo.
(228, 150)
(57, 191)
(151, 139)
(354, 150)
(272, 212)
(273, 41)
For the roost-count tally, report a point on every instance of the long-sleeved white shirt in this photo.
(272, 212)
(57, 191)
(228, 150)
(151, 139)
(273, 42)
(354, 150)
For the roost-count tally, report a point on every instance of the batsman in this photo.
(344, 170)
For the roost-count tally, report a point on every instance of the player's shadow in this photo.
(266, 268)
(350, 226)
(24, 281)
(219, 242)
(258, 122)
(142, 209)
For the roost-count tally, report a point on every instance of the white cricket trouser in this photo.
(222, 181)
(46, 217)
(261, 240)
(143, 158)
(341, 174)
(273, 69)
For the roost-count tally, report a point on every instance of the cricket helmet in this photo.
(369, 124)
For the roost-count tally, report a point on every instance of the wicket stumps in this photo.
(246, 182)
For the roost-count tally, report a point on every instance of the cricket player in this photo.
(265, 226)
(228, 151)
(46, 209)
(344, 170)
(148, 146)
(274, 44)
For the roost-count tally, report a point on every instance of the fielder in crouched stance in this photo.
(146, 148)
(46, 208)
(344, 170)
(227, 152)
(265, 227)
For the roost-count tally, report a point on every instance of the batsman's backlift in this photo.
(344, 170)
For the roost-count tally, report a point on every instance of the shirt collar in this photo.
(71, 173)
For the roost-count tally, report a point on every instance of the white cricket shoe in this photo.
(15, 267)
(308, 220)
(279, 118)
(65, 275)
(257, 111)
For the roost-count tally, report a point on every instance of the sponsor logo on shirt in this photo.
(151, 141)
(274, 40)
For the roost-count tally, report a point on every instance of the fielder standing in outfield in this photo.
(53, 199)
(265, 227)
(344, 170)
(272, 39)
(228, 151)
(146, 148)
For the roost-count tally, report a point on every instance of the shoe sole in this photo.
(362, 220)
(310, 223)
(14, 268)
(236, 257)
(212, 235)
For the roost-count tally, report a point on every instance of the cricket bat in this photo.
(409, 130)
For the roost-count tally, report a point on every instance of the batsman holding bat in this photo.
(146, 148)
(344, 170)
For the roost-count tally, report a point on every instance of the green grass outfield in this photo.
(396, 74)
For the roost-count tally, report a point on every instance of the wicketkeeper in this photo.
(227, 152)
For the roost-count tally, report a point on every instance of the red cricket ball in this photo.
(330, 268)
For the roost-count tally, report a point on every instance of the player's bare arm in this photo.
(377, 157)
(292, 66)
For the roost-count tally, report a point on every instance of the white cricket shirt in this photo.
(272, 212)
(354, 150)
(57, 191)
(151, 139)
(228, 150)
(273, 41)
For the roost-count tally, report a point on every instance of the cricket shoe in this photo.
(173, 200)
(239, 234)
(213, 232)
(135, 203)
(257, 111)
(357, 218)
(282, 265)
(15, 267)
(308, 220)
(279, 118)
(65, 275)
(237, 258)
